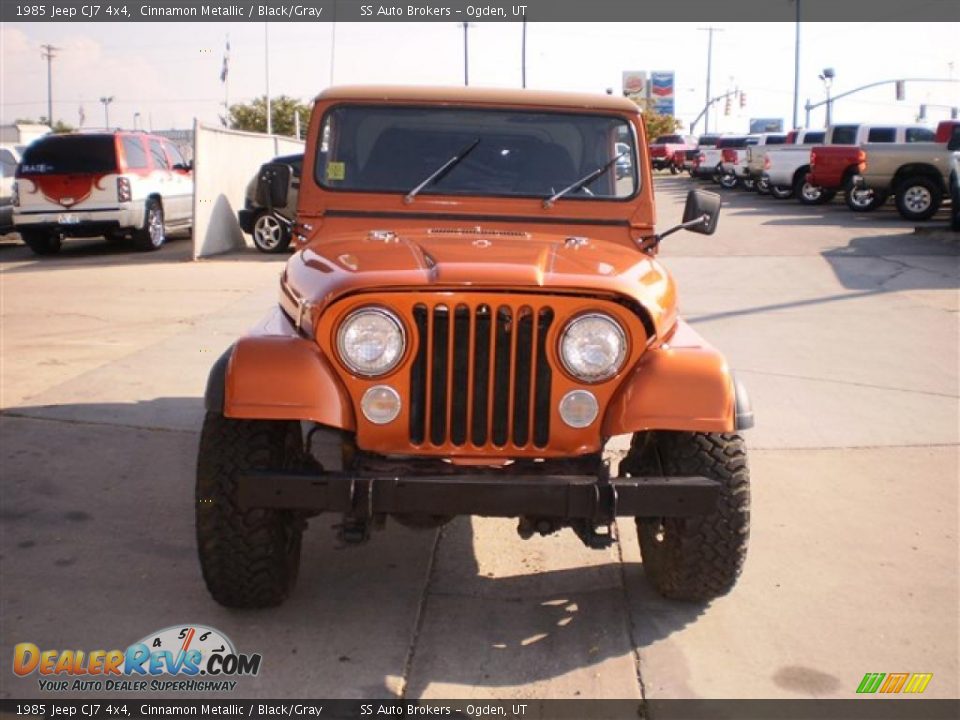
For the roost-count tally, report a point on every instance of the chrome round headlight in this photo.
(371, 341)
(593, 347)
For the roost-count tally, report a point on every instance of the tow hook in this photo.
(596, 537)
(353, 531)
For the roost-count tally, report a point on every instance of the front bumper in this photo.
(490, 495)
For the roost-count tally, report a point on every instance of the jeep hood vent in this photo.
(478, 231)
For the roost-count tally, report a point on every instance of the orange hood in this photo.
(435, 259)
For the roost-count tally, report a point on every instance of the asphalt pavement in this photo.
(844, 329)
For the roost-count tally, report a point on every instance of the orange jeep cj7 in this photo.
(474, 309)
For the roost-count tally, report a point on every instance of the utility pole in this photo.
(711, 30)
(466, 72)
(523, 53)
(266, 67)
(106, 112)
(48, 54)
(796, 66)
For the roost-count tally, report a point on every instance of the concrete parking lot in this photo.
(843, 327)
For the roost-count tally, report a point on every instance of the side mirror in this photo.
(702, 212)
(273, 185)
(700, 215)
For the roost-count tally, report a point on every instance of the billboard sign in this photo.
(635, 82)
(764, 125)
(662, 91)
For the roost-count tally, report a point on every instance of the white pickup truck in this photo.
(751, 167)
(786, 167)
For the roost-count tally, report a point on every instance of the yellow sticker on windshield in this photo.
(336, 171)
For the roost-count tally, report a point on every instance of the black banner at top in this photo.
(496, 11)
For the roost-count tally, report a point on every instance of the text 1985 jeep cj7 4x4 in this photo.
(474, 310)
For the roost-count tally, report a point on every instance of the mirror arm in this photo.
(702, 220)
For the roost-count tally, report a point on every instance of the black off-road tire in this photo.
(153, 234)
(41, 242)
(696, 558)
(249, 558)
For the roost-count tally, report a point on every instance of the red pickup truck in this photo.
(665, 147)
(833, 166)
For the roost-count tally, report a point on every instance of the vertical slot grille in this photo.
(480, 375)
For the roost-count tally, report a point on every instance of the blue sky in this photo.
(169, 72)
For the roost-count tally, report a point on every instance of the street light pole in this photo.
(827, 77)
(466, 60)
(106, 112)
(796, 66)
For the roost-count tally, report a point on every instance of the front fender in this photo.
(684, 384)
(275, 374)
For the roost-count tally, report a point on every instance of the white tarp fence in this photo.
(224, 161)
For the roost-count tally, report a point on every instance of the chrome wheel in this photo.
(811, 193)
(728, 181)
(267, 232)
(917, 199)
(155, 225)
(861, 198)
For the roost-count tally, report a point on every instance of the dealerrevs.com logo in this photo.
(181, 657)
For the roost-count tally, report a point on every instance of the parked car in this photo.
(733, 161)
(663, 149)
(755, 154)
(460, 335)
(833, 165)
(9, 159)
(955, 191)
(917, 174)
(111, 184)
(695, 158)
(624, 166)
(270, 228)
(785, 168)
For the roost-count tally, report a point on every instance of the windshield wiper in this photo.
(586, 179)
(442, 170)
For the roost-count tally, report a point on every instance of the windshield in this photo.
(70, 154)
(519, 153)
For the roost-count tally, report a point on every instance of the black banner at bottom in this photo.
(852, 709)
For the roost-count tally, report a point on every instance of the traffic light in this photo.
(923, 112)
(726, 106)
(901, 90)
(743, 99)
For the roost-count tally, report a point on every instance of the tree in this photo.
(58, 127)
(658, 125)
(252, 116)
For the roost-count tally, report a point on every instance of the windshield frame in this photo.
(423, 195)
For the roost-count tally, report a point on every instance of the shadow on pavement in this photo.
(97, 252)
(98, 508)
